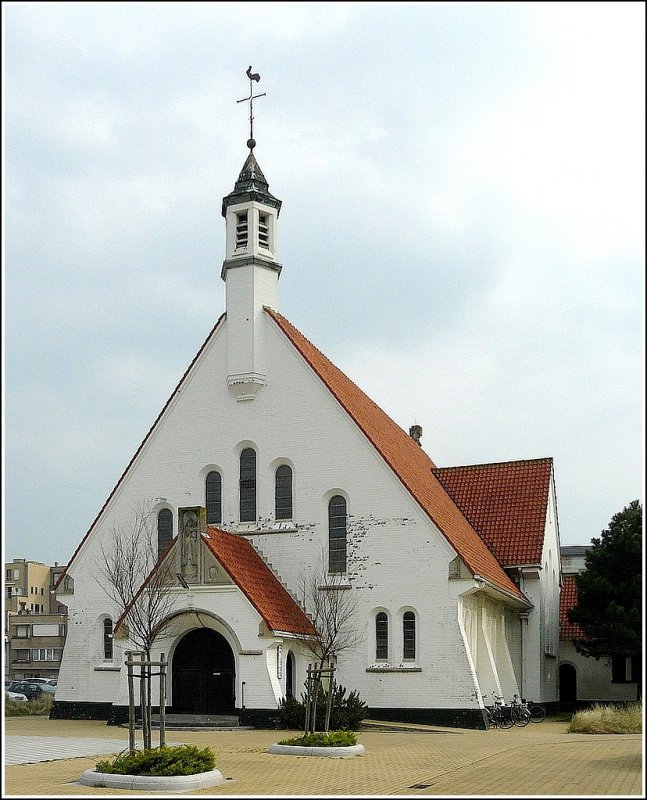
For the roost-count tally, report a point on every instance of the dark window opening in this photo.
(248, 485)
(164, 530)
(107, 639)
(213, 498)
(409, 634)
(381, 637)
(337, 534)
(283, 493)
(625, 669)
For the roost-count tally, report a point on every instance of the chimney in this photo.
(415, 432)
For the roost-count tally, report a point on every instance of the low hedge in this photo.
(184, 759)
(39, 706)
(331, 739)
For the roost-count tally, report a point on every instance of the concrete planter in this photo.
(148, 783)
(322, 752)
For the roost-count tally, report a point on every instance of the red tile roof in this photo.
(406, 458)
(506, 504)
(568, 631)
(262, 588)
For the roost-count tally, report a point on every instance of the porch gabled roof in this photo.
(250, 573)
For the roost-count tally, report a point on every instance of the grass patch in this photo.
(331, 739)
(608, 719)
(39, 706)
(184, 759)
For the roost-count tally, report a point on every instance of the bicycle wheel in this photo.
(537, 713)
(521, 717)
(504, 720)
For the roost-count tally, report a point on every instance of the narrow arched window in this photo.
(248, 485)
(283, 493)
(409, 634)
(107, 639)
(213, 498)
(381, 637)
(164, 530)
(337, 534)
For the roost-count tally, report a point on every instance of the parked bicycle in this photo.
(520, 712)
(537, 712)
(499, 715)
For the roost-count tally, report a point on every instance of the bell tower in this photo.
(250, 269)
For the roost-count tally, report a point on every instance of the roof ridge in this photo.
(543, 459)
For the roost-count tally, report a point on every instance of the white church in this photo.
(274, 459)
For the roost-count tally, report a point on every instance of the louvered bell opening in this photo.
(263, 231)
(241, 230)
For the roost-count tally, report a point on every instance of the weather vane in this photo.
(253, 76)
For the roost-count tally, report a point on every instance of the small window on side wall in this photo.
(107, 639)
(381, 637)
(283, 493)
(213, 498)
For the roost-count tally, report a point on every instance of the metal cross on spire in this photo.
(253, 76)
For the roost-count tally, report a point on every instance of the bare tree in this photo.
(137, 580)
(332, 606)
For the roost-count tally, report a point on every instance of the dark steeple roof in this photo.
(251, 185)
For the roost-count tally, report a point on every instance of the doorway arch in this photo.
(204, 674)
(567, 683)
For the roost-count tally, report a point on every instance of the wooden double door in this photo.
(203, 674)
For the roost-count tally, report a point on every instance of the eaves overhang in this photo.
(491, 588)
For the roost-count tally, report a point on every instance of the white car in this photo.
(14, 696)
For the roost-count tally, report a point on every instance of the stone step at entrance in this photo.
(198, 722)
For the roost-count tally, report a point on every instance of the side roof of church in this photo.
(506, 504)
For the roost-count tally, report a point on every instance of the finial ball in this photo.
(251, 143)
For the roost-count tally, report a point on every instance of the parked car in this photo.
(32, 690)
(50, 681)
(14, 696)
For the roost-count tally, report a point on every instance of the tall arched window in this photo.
(107, 639)
(248, 485)
(283, 493)
(337, 534)
(409, 634)
(164, 530)
(213, 498)
(381, 637)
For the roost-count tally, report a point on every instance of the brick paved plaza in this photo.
(539, 760)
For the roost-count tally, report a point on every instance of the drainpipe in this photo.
(523, 619)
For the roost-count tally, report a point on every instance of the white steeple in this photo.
(250, 271)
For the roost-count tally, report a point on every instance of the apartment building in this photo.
(35, 621)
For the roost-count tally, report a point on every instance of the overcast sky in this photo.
(462, 229)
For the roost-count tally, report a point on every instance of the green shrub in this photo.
(608, 719)
(346, 713)
(332, 739)
(39, 706)
(184, 759)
